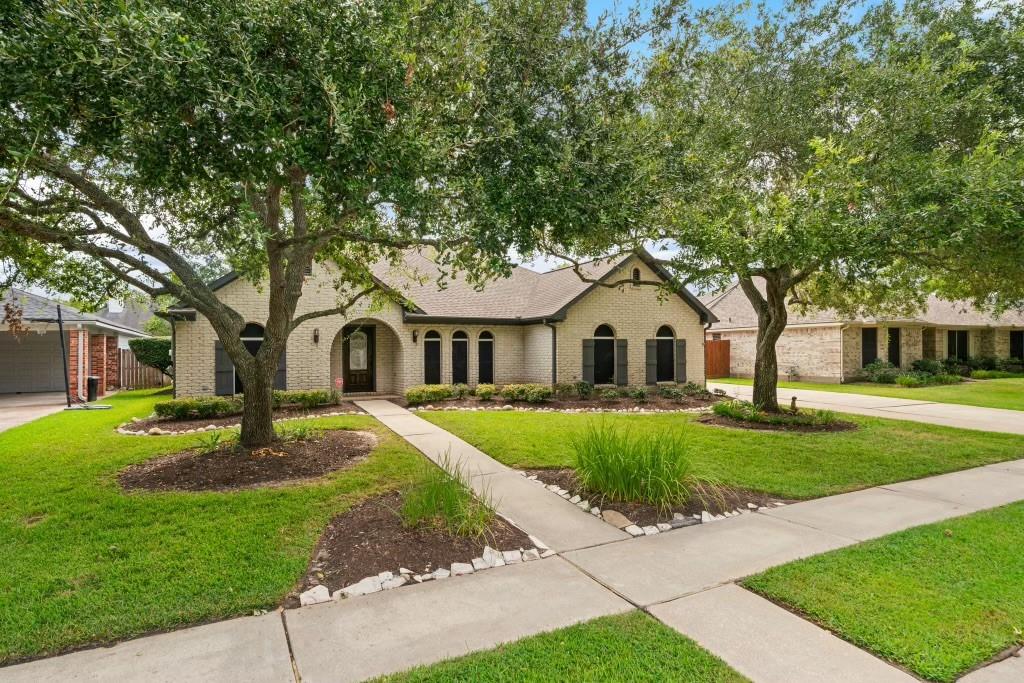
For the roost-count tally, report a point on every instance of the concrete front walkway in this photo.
(17, 409)
(559, 524)
(945, 414)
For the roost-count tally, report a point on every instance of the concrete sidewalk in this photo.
(944, 414)
(559, 524)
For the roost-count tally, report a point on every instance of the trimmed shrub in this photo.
(638, 394)
(199, 407)
(154, 352)
(584, 390)
(931, 367)
(880, 372)
(531, 393)
(484, 392)
(460, 391)
(648, 467)
(311, 398)
(609, 395)
(423, 393)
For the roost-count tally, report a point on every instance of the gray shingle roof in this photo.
(37, 308)
(733, 310)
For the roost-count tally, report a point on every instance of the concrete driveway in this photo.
(17, 409)
(945, 414)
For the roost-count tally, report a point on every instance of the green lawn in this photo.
(986, 393)
(84, 562)
(783, 464)
(631, 647)
(937, 599)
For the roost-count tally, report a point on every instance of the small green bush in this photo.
(744, 411)
(299, 432)
(880, 372)
(307, 398)
(199, 408)
(424, 393)
(638, 394)
(531, 393)
(912, 379)
(648, 467)
(609, 395)
(484, 392)
(584, 390)
(460, 390)
(212, 442)
(441, 498)
(928, 366)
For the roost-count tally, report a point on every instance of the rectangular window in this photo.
(894, 346)
(868, 345)
(957, 344)
(1017, 344)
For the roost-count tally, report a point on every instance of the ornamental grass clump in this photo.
(644, 467)
(441, 498)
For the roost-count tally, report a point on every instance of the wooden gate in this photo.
(135, 375)
(716, 358)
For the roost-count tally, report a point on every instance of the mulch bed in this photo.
(644, 514)
(653, 403)
(370, 538)
(232, 467)
(172, 425)
(837, 426)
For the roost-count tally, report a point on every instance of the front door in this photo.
(358, 359)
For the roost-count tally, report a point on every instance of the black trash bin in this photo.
(92, 388)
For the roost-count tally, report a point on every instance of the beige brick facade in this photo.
(522, 353)
(804, 353)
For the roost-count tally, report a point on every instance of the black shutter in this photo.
(894, 346)
(588, 360)
(281, 377)
(485, 351)
(651, 349)
(681, 360)
(1017, 344)
(432, 361)
(460, 361)
(224, 371)
(621, 363)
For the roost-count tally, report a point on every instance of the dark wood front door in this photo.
(358, 359)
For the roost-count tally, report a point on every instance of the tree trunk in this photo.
(257, 411)
(772, 317)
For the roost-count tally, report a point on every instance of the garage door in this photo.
(30, 363)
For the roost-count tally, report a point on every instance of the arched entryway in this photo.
(366, 358)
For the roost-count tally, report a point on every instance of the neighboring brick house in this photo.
(530, 327)
(821, 346)
(30, 353)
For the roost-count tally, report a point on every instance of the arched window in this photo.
(226, 380)
(432, 357)
(604, 355)
(460, 357)
(665, 342)
(485, 357)
(636, 276)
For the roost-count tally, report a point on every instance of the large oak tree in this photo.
(139, 138)
(827, 159)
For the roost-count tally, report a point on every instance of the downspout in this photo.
(554, 351)
(704, 353)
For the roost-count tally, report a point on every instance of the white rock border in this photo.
(489, 559)
(678, 521)
(157, 431)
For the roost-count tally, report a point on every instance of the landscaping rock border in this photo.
(125, 428)
(388, 580)
(618, 520)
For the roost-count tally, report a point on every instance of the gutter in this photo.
(554, 351)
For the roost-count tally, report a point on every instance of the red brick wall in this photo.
(113, 364)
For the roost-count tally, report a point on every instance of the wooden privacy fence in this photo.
(135, 375)
(716, 358)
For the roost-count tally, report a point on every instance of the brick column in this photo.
(113, 378)
(98, 360)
